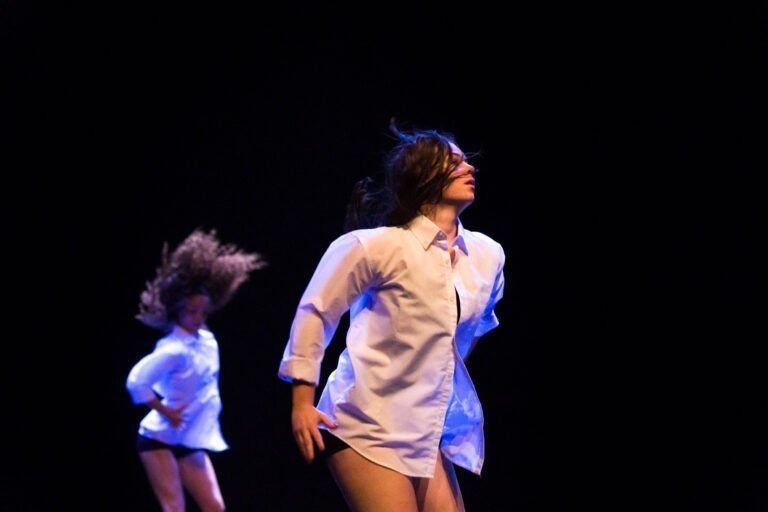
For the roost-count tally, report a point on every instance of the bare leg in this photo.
(163, 473)
(440, 493)
(368, 487)
(199, 478)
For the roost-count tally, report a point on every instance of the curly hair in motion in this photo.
(200, 264)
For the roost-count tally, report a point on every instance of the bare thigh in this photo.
(199, 478)
(440, 493)
(163, 473)
(369, 487)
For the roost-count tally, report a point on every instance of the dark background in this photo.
(621, 152)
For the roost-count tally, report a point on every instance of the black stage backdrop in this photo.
(620, 152)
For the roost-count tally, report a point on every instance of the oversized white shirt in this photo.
(184, 370)
(401, 390)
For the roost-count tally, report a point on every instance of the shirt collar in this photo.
(427, 231)
(183, 335)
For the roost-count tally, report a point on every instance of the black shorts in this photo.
(145, 444)
(332, 443)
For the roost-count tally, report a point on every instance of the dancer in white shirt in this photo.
(179, 379)
(400, 408)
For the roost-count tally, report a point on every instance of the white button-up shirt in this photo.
(184, 370)
(401, 390)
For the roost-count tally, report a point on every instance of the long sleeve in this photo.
(148, 371)
(340, 278)
(489, 320)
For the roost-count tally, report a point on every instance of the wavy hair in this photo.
(416, 171)
(200, 264)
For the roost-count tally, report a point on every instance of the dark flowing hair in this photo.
(201, 264)
(415, 174)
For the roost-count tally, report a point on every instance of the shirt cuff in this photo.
(299, 369)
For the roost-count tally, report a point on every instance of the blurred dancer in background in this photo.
(179, 379)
